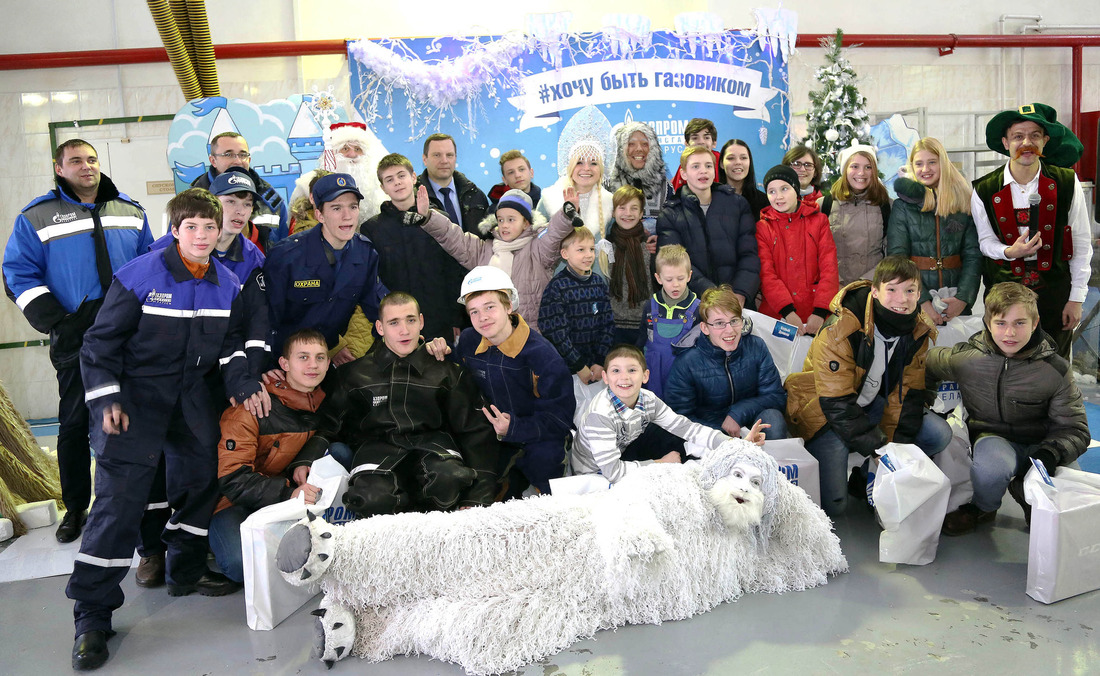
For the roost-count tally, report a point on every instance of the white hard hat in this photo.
(487, 278)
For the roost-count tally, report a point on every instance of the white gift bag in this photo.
(958, 330)
(268, 598)
(955, 462)
(1063, 557)
(331, 477)
(910, 496)
(787, 348)
(796, 463)
(584, 394)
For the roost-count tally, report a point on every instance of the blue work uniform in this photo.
(305, 291)
(526, 378)
(58, 264)
(158, 335)
(246, 261)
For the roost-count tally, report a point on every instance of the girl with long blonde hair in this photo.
(931, 225)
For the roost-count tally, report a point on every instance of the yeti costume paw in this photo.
(335, 632)
(305, 552)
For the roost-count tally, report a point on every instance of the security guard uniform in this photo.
(305, 291)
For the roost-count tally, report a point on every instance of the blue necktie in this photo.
(449, 206)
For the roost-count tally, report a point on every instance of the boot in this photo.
(150, 571)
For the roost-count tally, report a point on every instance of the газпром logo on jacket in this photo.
(159, 297)
(64, 218)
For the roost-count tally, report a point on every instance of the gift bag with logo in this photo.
(787, 349)
(910, 496)
(268, 598)
(955, 462)
(330, 475)
(796, 463)
(958, 330)
(1063, 557)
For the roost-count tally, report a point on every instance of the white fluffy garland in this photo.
(496, 588)
(436, 88)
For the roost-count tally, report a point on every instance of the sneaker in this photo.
(965, 520)
(1016, 490)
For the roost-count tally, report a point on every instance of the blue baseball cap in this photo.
(230, 182)
(331, 186)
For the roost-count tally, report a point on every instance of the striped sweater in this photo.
(608, 427)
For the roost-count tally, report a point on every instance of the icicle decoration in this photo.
(549, 35)
(776, 31)
(626, 34)
(701, 29)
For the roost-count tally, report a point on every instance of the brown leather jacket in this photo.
(254, 453)
(827, 388)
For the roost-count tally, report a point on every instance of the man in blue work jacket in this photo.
(63, 251)
(316, 277)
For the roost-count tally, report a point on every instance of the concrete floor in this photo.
(965, 613)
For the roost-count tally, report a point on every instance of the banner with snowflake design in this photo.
(494, 94)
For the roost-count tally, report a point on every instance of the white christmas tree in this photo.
(838, 112)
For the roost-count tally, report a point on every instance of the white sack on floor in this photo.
(910, 497)
(1063, 557)
(268, 598)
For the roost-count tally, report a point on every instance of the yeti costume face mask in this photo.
(737, 497)
(743, 483)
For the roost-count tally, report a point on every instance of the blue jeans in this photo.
(225, 541)
(996, 461)
(832, 454)
(342, 453)
(773, 417)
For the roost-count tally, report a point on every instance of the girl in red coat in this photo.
(798, 265)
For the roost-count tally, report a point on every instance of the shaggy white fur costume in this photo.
(496, 588)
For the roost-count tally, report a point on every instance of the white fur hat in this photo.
(844, 155)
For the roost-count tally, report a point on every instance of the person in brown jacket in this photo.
(863, 383)
(256, 456)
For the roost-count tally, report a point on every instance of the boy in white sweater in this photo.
(615, 435)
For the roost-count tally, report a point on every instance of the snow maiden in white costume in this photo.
(584, 148)
(496, 588)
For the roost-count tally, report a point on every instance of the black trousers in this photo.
(74, 457)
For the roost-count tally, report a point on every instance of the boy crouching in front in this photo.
(1022, 401)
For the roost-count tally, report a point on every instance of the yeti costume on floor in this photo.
(493, 589)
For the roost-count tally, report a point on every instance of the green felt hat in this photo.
(1063, 149)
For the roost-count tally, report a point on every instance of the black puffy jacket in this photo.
(472, 202)
(721, 243)
(410, 260)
